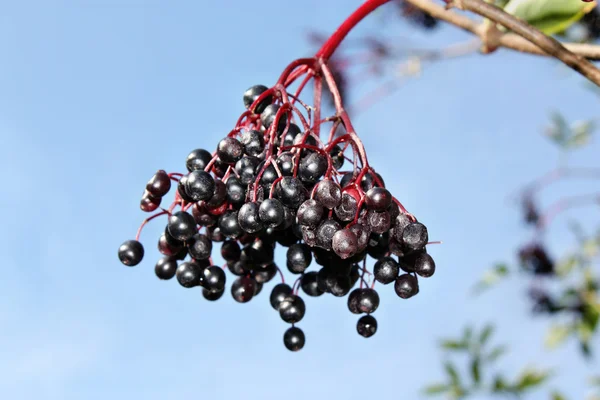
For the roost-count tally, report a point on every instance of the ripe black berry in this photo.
(131, 253)
(366, 326)
(213, 279)
(325, 233)
(212, 296)
(252, 94)
(414, 236)
(230, 150)
(243, 289)
(254, 142)
(298, 258)
(328, 193)
(228, 224)
(353, 300)
(199, 185)
(285, 162)
(368, 301)
(294, 339)
(292, 309)
(149, 203)
(189, 274)
(378, 199)
(347, 209)
(386, 270)
(230, 250)
(199, 246)
(267, 117)
(310, 213)
(265, 274)
(182, 225)
(246, 169)
(271, 212)
(424, 265)
(278, 294)
(198, 160)
(165, 268)
(344, 243)
(248, 218)
(159, 184)
(312, 167)
(406, 286)
(235, 191)
(308, 283)
(291, 192)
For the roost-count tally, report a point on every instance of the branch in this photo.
(524, 39)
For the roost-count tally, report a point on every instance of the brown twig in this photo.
(524, 38)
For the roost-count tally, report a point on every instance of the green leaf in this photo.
(530, 379)
(454, 345)
(499, 384)
(556, 335)
(436, 388)
(468, 334)
(485, 334)
(495, 354)
(585, 349)
(566, 266)
(557, 396)
(452, 373)
(595, 381)
(549, 16)
(580, 134)
(475, 370)
(491, 277)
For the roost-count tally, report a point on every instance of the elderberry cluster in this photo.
(270, 182)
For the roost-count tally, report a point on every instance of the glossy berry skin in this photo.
(424, 265)
(199, 185)
(285, 162)
(199, 246)
(235, 191)
(378, 199)
(228, 223)
(253, 142)
(182, 225)
(230, 250)
(406, 286)
(328, 193)
(368, 301)
(347, 209)
(265, 274)
(149, 203)
(353, 300)
(198, 160)
(212, 296)
(248, 218)
(243, 289)
(230, 150)
(213, 279)
(159, 184)
(291, 192)
(310, 213)
(415, 236)
(271, 213)
(252, 94)
(278, 294)
(267, 117)
(246, 169)
(298, 258)
(312, 167)
(309, 284)
(292, 309)
(325, 233)
(131, 253)
(189, 274)
(219, 195)
(386, 270)
(366, 326)
(294, 339)
(165, 268)
(344, 243)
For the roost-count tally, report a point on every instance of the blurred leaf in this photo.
(580, 134)
(559, 129)
(549, 16)
(557, 396)
(485, 334)
(530, 379)
(585, 349)
(496, 354)
(436, 388)
(468, 334)
(454, 345)
(452, 373)
(590, 248)
(595, 381)
(499, 384)
(566, 266)
(491, 277)
(556, 335)
(475, 370)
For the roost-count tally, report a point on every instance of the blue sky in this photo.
(98, 95)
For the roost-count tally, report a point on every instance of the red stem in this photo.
(326, 51)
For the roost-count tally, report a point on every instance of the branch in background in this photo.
(525, 39)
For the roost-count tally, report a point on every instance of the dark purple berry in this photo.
(386, 270)
(368, 301)
(406, 286)
(199, 246)
(292, 309)
(159, 184)
(252, 94)
(189, 274)
(198, 160)
(291, 192)
(298, 258)
(228, 224)
(271, 212)
(344, 243)
(366, 326)
(230, 250)
(213, 279)
(212, 296)
(325, 233)
(182, 225)
(199, 185)
(353, 300)
(149, 203)
(278, 294)
(165, 268)
(243, 289)
(310, 213)
(248, 218)
(131, 253)
(308, 283)
(347, 209)
(246, 169)
(230, 150)
(254, 142)
(328, 193)
(378, 199)
(424, 265)
(312, 167)
(294, 339)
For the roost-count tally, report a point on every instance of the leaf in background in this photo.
(495, 354)
(530, 379)
(436, 388)
(556, 335)
(454, 345)
(557, 396)
(558, 130)
(499, 384)
(580, 134)
(475, 370)
(585, 349)
(485, 334)
(491, 277)
(452, 373)
(566, 266)
(468, 334)
(549, 16)
(595, 381)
